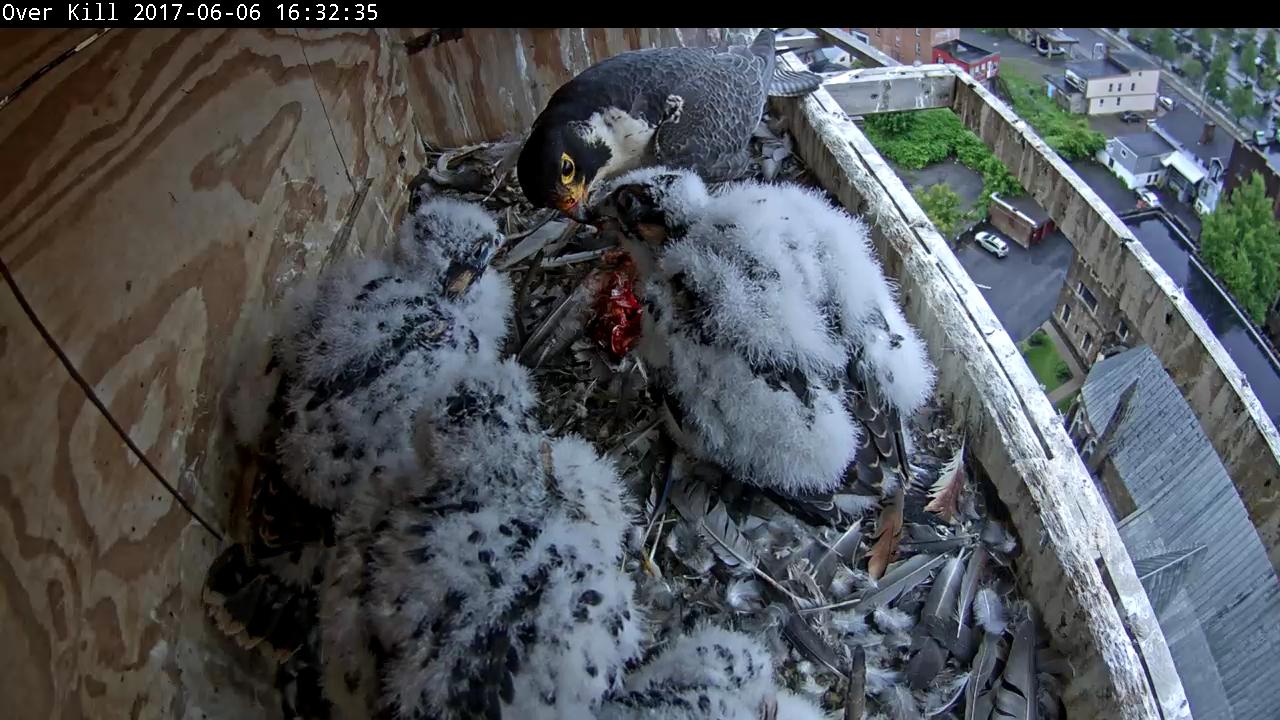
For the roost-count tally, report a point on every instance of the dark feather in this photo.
(1017, 697)
(910, 573)
(808, 642)
(939, 610)
(843, 550)
(855, 695)
(925, 664)
(976, 693)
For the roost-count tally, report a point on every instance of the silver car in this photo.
(992, 243)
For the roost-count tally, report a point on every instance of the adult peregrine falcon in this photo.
(692, 108)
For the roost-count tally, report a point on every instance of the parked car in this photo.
(1130, 116)
(1167, 102)
(1264, 137)
(1147, 199)
(992, 243)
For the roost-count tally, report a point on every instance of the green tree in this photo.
(1240, 241)
(1242, 103)
(1267, 81)
(1162, 45)
(1137, 35)
(1194, 70)
(1268, 50)
(1204, 37)
(1216, 82)
(1248, 58)
(942, 205)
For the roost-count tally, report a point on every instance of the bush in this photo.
(1062, 372)
(916, 139)
(1069, 135)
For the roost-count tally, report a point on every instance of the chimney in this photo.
(1206, 135)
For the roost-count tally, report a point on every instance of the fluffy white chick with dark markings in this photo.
(709, 674)
(497, 591)
(352, 356)
(771, 325)
(362, 343)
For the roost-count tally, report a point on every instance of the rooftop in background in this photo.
(1221, 611)
(1146, 144)
(1060, 84)
(1056, 35)
(1117, 64)
(1187, 128)
(963, 51)
(1025, 205)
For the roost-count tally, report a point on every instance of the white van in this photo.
(1166, 102)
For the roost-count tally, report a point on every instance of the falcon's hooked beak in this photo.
(572, 201)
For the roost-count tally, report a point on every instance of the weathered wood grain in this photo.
(24, 51)
(159, 190)
(363, 84)
(493, 82)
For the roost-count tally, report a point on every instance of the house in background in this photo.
(908, 45)
(1020, 218)
(1112, 84)
(1049, 42)
(1214, 591)
(1244, 161)
(1196, 175)
(982, 65)
(1137, 159)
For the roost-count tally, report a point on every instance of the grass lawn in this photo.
(1050, 370)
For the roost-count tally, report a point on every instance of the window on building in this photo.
(1122, 330)
(1066, 313)
(1084, 346)
(1133, 87)
(1087, 297)
(1099, 102)
(1117, 101)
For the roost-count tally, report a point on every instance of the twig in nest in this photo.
(573, 258)
(535, 268)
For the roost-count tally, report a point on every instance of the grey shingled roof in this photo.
(1146, 144)
(1185, 499)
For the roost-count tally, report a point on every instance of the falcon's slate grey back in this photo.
(692, 108)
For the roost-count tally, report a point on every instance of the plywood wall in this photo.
(493, 82)
(157, 191)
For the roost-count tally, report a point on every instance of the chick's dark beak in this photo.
(460, 274)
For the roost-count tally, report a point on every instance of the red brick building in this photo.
(908, 45)
(982, 64)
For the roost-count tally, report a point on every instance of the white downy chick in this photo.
(771, 325)
(708, 674)
(495, 591)
(348, 359)
(364, 342)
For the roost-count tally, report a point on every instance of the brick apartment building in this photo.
(908, 45)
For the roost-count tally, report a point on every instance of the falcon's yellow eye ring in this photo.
(566, 169)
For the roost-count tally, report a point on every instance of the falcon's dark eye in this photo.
(566, 169)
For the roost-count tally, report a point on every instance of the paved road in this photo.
(1022, 288)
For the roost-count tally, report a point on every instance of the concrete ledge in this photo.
(1105, 627)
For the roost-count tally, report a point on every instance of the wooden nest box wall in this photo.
(159, 189)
